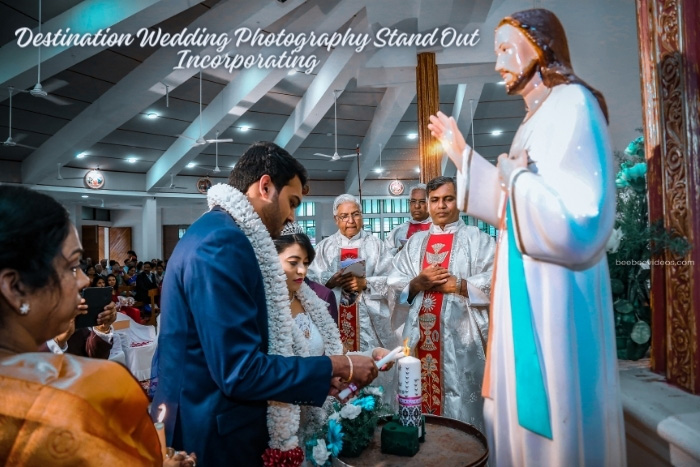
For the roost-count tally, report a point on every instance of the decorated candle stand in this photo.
(403, 434)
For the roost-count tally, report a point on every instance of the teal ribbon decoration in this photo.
(531, 397)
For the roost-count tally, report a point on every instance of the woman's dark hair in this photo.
(265, 158)
(33, 227)
(285, 241)
(96, 280)
(90, 267)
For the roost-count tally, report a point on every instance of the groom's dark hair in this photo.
(266, 158)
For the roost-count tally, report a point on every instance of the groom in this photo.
(216, 376)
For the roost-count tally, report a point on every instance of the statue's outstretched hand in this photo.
(445, 129)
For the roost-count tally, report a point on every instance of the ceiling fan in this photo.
(336, 156)
(61, 177)
(171, 186)
(9, 142)
(38, 90)
(201, 141)
(216, 164)
(380, 169)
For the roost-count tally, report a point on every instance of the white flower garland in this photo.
(285, 338)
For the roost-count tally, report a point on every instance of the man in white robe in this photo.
(420, 220)
(364, 315)
(553, 197)
(441, 280)
(370, 325)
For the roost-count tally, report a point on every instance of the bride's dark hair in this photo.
(285, 241)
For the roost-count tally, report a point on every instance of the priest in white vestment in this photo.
(553, 196)
(420, 220)
(370, 325)
(364, 315)
(442, 280)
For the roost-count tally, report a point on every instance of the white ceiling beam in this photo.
(386, 118)
(462, 112)
(142, 87)
(336, 72)
(241, 93)
(125, 16)
(228, 106)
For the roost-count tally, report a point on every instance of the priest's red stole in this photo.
(414, 228)
(429, 348)
(348, 312)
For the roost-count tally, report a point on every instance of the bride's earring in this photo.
(24, 308)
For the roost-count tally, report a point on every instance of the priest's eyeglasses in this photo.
(417, 202)
(346, 217)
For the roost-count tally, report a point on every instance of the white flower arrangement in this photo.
(320, 452)
(285, 338)
(350, 411)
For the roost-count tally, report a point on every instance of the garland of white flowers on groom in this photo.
(285, 338)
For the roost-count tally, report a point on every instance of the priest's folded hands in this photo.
(432, 277)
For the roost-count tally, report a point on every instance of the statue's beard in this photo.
(523, 78)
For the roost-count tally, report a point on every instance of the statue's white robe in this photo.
(563, 209)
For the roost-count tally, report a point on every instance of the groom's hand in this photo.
(336, 386)
(362, 372)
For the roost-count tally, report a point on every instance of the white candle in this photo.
(409, 396)
(390, 357)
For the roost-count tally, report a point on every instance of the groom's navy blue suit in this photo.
(215, 376)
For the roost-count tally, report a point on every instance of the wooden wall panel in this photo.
(170, 239)
(119, 243)
(90, 239)
(670, 64)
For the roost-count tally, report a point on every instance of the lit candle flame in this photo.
(406, 348)
(161, 413)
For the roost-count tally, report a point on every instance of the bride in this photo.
(310, 313)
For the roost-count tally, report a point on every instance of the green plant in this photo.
(633, 243)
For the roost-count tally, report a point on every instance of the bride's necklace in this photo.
(302, 320)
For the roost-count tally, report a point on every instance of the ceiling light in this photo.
(502, 83)
(412, 136)
(151, 115)
(417, 170)
(85, 196)
(379, 170)
(292, 72)
(497, 132)
(244, 128)
(190, 165)
(80, 155)
(234, 165)
(131, 160)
